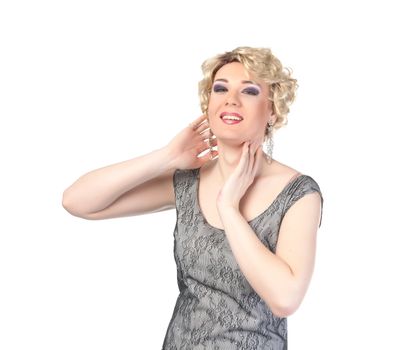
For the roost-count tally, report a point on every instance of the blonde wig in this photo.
(265, 66)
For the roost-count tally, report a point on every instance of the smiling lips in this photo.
(231, 118)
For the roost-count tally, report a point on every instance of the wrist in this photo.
(168, 158)
(225, 209)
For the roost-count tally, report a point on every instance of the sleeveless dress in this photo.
(217, 308)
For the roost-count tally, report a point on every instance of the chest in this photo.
(257, 199)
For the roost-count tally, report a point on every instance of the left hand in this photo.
(242, 177)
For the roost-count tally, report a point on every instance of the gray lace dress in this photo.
(216, 307)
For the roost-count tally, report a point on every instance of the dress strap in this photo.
(296, 175)
(306, 185)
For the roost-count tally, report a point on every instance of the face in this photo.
(236, 91)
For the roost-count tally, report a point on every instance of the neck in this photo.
(228, 159)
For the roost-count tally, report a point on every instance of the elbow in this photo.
(68, 205)
(287, 300)
(71, 208)
(283, 310)
(285, 307)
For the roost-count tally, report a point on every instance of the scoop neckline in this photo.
(266, 210)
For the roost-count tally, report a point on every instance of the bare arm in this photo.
(99, 188)
(282, 278)
(140, 185)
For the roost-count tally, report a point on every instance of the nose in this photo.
(231, 99)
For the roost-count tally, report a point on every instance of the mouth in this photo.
(231, 117)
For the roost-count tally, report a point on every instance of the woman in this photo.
(244, 253)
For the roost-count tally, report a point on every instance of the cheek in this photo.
(213, 104)
(213, 99)
(265, 109)
(262, 114)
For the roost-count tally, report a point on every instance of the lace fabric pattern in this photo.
(216, 307)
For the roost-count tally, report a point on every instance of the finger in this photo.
(256, 151)
(204, 145)
(257, 159)
(200, 128)
(244, 160)
(259, 152)
(251, 157)
(206, 134)
(212, 137)
(242, 157)
(196, 122)
(215, 153)
(208, 141)
(208, 157)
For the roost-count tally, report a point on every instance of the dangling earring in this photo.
(270, 143)
(211, 134)
(209, 141)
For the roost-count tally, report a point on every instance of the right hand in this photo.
(185, 147)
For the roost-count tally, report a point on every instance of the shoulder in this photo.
(301, 182)
(299, 192)
(299, 187)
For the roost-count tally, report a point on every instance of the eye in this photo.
(218, 88)
(249, 91)
(252, 91)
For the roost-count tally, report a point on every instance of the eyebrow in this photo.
(243, 82)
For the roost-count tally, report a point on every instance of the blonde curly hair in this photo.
(264, 65)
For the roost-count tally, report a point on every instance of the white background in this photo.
(86, 84)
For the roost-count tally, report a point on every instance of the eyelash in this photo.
(252, 92)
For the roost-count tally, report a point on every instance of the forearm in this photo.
(269, 275)
(99, 188)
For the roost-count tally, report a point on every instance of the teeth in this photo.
(231, 117)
